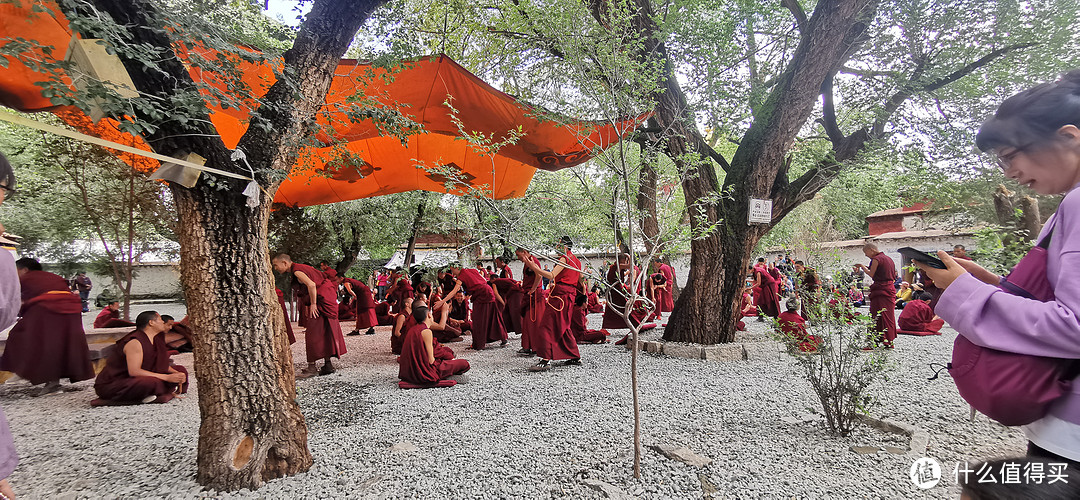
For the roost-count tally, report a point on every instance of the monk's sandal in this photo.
(540, 366)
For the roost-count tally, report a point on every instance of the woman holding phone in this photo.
(1035, 138)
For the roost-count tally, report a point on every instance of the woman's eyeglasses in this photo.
(8, 191)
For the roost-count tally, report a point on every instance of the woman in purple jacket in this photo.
(1036, 140)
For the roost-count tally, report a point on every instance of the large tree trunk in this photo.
(252, 429)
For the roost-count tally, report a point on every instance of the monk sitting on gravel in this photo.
(918, 319)
(423, 360)
(793, 327)
(110, 317)
(138, 370)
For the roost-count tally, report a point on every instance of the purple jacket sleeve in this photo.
(990, 317)
(10, 291)
(8, 456)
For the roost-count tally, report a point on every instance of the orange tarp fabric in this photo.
(358, 160)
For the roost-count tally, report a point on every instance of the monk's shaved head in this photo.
(869, 245)
(282, 257)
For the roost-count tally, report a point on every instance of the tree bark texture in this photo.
(722, 240)
(252, 429)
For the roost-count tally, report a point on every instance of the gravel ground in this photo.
(510, 433)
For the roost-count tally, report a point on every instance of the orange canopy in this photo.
(359, 160)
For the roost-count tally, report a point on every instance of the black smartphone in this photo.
(909, 254)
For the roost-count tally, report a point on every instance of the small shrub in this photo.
(840, 372)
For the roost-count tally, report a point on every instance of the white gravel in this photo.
(510, 433)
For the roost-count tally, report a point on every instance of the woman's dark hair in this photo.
(1034, 115)
(7, 175)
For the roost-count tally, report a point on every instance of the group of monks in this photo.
(762, 298)
(48, 344)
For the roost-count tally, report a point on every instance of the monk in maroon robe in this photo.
(593, 304)
(317, 296)
(748, 306)
(532, 302)
(918, 318)
(579, 323)
(382, 313)
(512, 296)
(288, 322)
(364, 306)
(424, 361)
(138, 370)
(460, 315)
(487, 319)
(400, 290)
(554, 337)
(619, 279)
(882, 292)
(110, 317)
(47, 343)
(503, 268)
(665, 295)
(765, 287)
(793, 327)
(403, 323)
(177, 335)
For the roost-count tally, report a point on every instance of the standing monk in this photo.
(513, 296)
(882, 271)
(554, 337)
(48, 343)
(318, 295)
(503, 269)
(139, 369)
(667, 303)
(487, 320)
(765, 284)
(807, 288)
(532, 303)
(364, 303)
(619, 280)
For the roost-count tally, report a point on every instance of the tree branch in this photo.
(799, 14)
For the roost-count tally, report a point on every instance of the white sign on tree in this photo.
(760, 211)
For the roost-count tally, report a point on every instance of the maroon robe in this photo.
(616, 303)
(288, 323)
(793, 326)
(883, 297)
(382, 313)
(657, 280)
(413, 366)
(116, 385)
(513, 295)
(593, 303)
(770, 300)
(917, 317)
(554, 338)
(582, 333)
(460, 311)
(532, 306)
(48, 342)
(396, 341)
(108, 318)
(667, 303)
(402, 291)
(487, 319)
(365, 304)
(748, 307)
(506, 272)
(323, 338)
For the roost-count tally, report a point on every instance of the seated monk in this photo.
(459, 312)
(441, 326)
(177, 335)
(593, 305)
(382, 313)
(47, 343)
(793, 327)
(579, 325)
(748, 307)
(403, 323)
(423, 360)
(918, 318)
(138, 370)
(110, 317)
